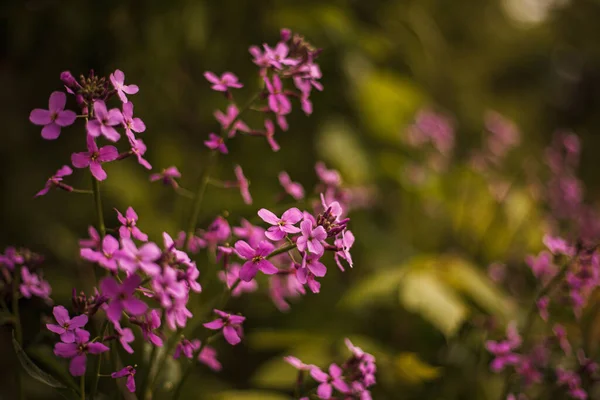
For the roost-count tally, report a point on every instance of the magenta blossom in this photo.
(56, 180)
(129, 225)
(231, 276)
(343, 249)
(118, 80)
(270, 135)
(125, 336)
(105, 256)
(503, 350)
(186, 347)
(297, 363)
(542, 266)
(78, 351)
(223, 83)
(66, 326)
(103, 122)
(243, 184)
(294, 189)
(226, 121)
(130, 123)
(131, 258)
(231, 325)
(216, 142)
(138, 148)
(278, 101)
(128, 372)
(94, 242)
(334, 379)
(312, 265)
(208, 357)
(278, 56)
(167, 176)
(256, 259)
(311, 238)
(558, 245)
(55, 117)
(329, 177)
(177, 314)
(150, 325)
(121, 297)
(281, 226)
(252, 233)
(33, 285)
(94, 158)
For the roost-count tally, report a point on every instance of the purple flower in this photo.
(94, 242)
(278, 57)
(232, 275)
(311, 238)
(270, 135)
(561, 336)
(177, 314)
(216, 142)
(334, 379)
(94, 158)
(296, 363)
(167, 176)
(278, 102)
(218, 231)
(208, 357)
(118, 80)
(55, 117)
(252, 233)
(294, 189)
(282, 287)
(542, 266)
(221, 84)
(121, 297)
(329, 177)
(150, 324)
(542, 305)
(281, 226)
(128, 372)
(231, 325)
(130, 123)
(125, 336)
(344, 245)
(66, 326)
(256, 259)
(103, 122)
(572, 380)
(129, 225)
(55, 180)
(186, 347)
(106, 256)
(131, 258)
(243, 184)
(33, 285)
(558, 245)
(311, 263)
(227, 119)
(78, 351)
(503, 350)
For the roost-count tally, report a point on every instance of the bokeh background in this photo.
(419, 292)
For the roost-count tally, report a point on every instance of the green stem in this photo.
(280, 250)
(18, 328)
(82, 387)
(98, 203)
(97, 367)
(82, 191)
(146, 375)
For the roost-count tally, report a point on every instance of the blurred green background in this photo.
(419, 289)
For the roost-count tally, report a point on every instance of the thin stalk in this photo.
(281, 250)
(18, 329)
(98, 203)
(147, 370)
(82, 387)
(97, 367)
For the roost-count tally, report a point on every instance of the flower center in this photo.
(94, 156)
(53, 116)
(256, 259)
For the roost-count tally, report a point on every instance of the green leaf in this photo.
(250, 395)
(412, 370)
(32, 369)
(379, 285)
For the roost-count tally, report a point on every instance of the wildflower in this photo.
(558, 245)
(311, 238)
(278, 102)
(504, 350)
(94, 158)
(542, 266)
(572, 381)
(216, 142)
(186, 347)
(281, 226)
(231, 276)
(344, 244)
(94, 242)
(243, 184)
(270, 135)
(218, 231)
(311, 263)
(121, 297)
(103, 122)
(125, 336)
(296, 363)
(208, 357)
(278, 56)
(54, 118)
(256, 259)
(56, 180)
(128, 372)
(226, 121)
(223, 83)
(294, 189)
(334, 379)
(131, 258)
(33, 285)
(230, 324)
(561, 336)
(252, 233)
(129, 225)
(130, 123)
(282, 287)
(78, 351)
(329, 177)
(542, 305)
(150, 324)
(66, 326)
(105, 256)
(168, 176)
(177, 314)
(118, 80)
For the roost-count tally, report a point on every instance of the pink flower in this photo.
(33, 285)
(129, 225)
(106, 256)
(56, 180)
(103, 122)
(94, 242)
(256, 259)
(334, 379)
(216, 142)
(78, 351)
(138, 148)
(227, 119)
(503, 350)
(150, 325)
(252, 233)
(128, 372)
(131, 258)
(270, 135)
(66, 326)
(243, 184)
(278, 56)
(296, 363)
(294, 189)
(542, 266)
(121, 297)
(186, 347)
(344, 245)
(130, 123)
(311, 238)
(208, 357)
(118, 80)
(329, 177)
(281, 226)
(230, 324)
(94, 158)
(558, 245)
(312, 265)
(221, 84)
(231, 276)
(167, 176)
(277, 100)
(125, 336)
(55, 117)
